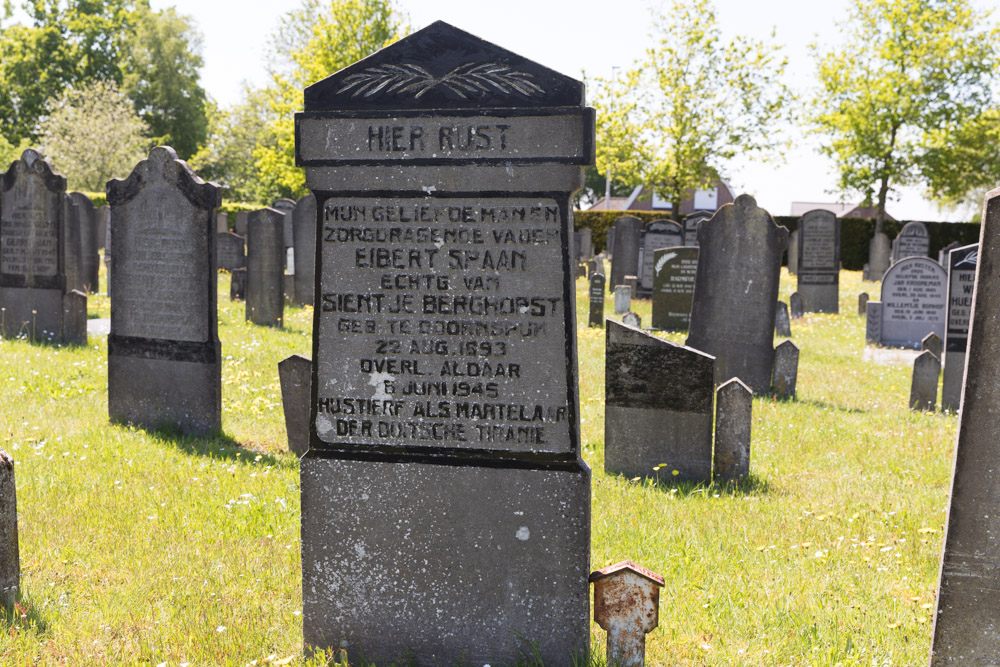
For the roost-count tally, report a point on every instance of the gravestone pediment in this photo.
(442, 67)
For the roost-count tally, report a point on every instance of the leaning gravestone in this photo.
(659, 234)
(967, 619)
(10, 561)
(304, 235)
(786, 370)
(625, 261)
(90, 258)
(596, 293)
(230, 252)
(736, 291)
(961, 265)
(265, 291)
(295, 376)
(164, 356)
(658, 407)
(924, 383)
(674, 272)
(793, 252)
(691, 223)
(818, 267)
(878, 257)
(913, 241)
(445, 404)
(914, 296)
(733, 424)
(34, 298)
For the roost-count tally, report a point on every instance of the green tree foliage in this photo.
(227, 155)
(901, 101)
(93, 134)
(675, 119)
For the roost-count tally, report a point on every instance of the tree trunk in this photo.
(883, 191)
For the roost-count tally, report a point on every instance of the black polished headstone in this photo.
(659, 234)
(673, 287)
(961, 263)
(596, 293)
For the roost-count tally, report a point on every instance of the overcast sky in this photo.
(572, 38)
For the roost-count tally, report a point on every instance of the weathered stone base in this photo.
(820, 298)
(34, 313)
(639, 439)
(951, 385)
(439, 564)
(156, 393)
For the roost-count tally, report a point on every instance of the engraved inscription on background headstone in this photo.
(659, 234)
(878, 256)
(818, 268)
(230, 251)
(445, 358)
(736, 291)
(674, 272)
(596, 293)
(265, 290)
(913, 241)
(304, 232)
(793, 252)
(967, 618)
(658, 407)
(164, 356)
(33, 293)
(914, 296)
(625, 261)
(961, 263)
(691, 223)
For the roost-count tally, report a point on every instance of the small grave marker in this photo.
(932, 342)
(863, 303)
(782, 325)
(733, 423)
(631, 319)
(596, 300)
(627, 607)
(924, 384)
(786, 370)
(623, 299)
(295, 375)
(795, 306)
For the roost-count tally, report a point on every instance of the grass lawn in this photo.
(143, 548)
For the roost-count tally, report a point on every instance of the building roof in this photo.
(840, 209)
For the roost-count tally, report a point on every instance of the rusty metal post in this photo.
(627, 606)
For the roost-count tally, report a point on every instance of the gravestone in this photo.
(865, 275)
(878, 256)
(71, 249)
(658, 407)
(242, 220)
(265, 290)
(786, 370)
(736, 291)
(914, 297)
(632, 282)
(924, 383)
(10, 560)
(609, 242)
(103, 220)
(674, 272)
(943, 253)
(967, 618)
(164, 355)
(221, 222)
(285, 207)
(463, 424)
(230, 252)
(596, 293)
(793, 252)
(862, 303)
(873, 322)
(659, 234)
(932, 342)
(627, 606)
(107, 251)
(782, 325)
(691, 223)
(34, 298)
(631, 319)
(585, 244)
(961, 265)
(295, 375)
(733, 424)
(304, 233)
(818, 268)
(796, 311)
(90, 259)
(238, 286)
(623, 299)
(913, 241)
(625, 261)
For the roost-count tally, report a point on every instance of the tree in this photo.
(691, 105)
(901, 98)
(93, 134)
(160, 76)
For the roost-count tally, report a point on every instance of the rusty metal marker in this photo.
(627, 606)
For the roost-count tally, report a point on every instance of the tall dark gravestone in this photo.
(34, 298)
(164, 356)
(691, 223)
(961, 263)
(71, 245)
(736, 292)
(659, 234)
(819, 262)
(304, 235)
(444, 358)
(625, 261)
(967, 619)
(674, 271)
(793, 252)
(90, 258)
(265, 291)
(913, 241)
(596, 293)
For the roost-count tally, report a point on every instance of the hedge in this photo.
(855, 233)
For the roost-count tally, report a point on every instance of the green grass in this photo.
(144, 548)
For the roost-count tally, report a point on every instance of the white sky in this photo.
(573, 37)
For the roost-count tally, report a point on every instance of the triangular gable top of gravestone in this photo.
(626, 565)
(32, 161)
(442, 67)
(787, 346)
(162, 165)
